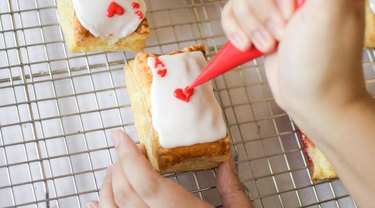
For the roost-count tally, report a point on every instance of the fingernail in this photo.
(240, 40)
(92, 204)
(116, 137)
(262, 39)
(276, 28)
(109, 170)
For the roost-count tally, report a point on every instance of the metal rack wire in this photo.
(57, 110)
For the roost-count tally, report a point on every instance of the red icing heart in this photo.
(162, 72)
(114, 8)
(184, 94)
(135, 5)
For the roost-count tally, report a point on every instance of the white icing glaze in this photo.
(92, 16)
(372, 5)
(179, 123)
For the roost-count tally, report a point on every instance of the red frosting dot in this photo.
(139, 14)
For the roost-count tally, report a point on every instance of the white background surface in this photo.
(57, 110)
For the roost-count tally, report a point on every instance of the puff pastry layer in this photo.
(180, 159)
(320, 167)
(79, 39)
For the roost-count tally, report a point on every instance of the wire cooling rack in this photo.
(57, 111)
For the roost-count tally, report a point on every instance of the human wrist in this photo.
(320, 120)
(331, 94)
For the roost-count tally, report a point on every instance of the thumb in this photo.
(230, 188)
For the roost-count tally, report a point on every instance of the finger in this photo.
(154, 190)
(106, 198)
(267, 12)
(230, 188)
(124, 194)
(250, 23)
(233, 30)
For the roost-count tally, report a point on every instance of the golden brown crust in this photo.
(179, 159)
(170, 157)
(322, 168)
(370, 28)
(81, 40)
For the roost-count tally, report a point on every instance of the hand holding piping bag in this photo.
(230, 57)
(316, 77)
(317, 48)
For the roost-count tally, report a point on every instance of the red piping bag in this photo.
(228, 58)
